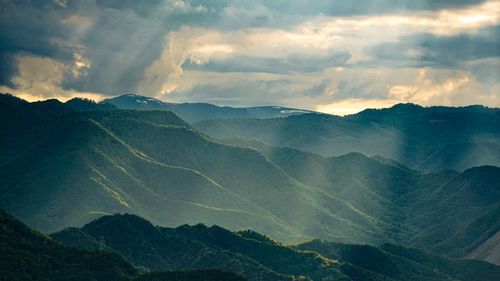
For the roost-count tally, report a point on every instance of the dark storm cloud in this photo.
(119, 48)
(295, 63)
(7, 69)
(124, 38)
(143, 8)
(422, 50)
(341, 7)
(31, 27)
(120, 39)
(168, 13)
(127, 36)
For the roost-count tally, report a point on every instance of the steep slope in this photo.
(86, 170)
(257, 257)
(29, 255)
(449, 212)
(250, 175)
(75, 166)
(468, 213)
(426, 139)
(194, 112)
(99, 162)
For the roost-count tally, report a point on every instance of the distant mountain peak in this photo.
(130, 95)
(406, 105)
(199, 111)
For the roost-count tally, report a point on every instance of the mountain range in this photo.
(129, 248)
(193, 112)
(30, 255)
(65, 167)
(422, 138)
(257, 257)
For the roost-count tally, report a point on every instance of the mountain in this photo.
(194, 112)
(448, 212)
(257, 257)
(99, 162)
(400, 263)
(79, 168)
(62, 167)
(423, 138)
(30, 255)
(82, 104)
(72, 255)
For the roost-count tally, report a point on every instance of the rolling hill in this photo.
(63, 167)
(423, 138)
(29, 255)
(257, 257)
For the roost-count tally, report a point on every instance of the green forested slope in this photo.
(448, 212)
(257, 257)
(29, 255)
(61, 167)
(423, 138)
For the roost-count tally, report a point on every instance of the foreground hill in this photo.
(423, 138)
(257, 257)
(194, 112)
(29, 255)
(61, 167)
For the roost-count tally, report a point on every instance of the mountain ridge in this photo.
(193, 112)
(257, 257)
(423, 138)
(30, 255)
(73, 167)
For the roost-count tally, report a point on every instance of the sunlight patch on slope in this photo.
(109, 190)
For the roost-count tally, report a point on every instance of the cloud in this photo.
(351, 106)
(119, 46)
(438, 51)
(334, 88)
(145, 8)
(292, 63)
(24, 29)
(422, 86)
(447, 87)
(299, 53)
(343, 7)
(425, 90)
(40, 78)
(485, 71)
(109, 42)
(245, 88)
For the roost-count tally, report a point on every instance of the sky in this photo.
(333, 56)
